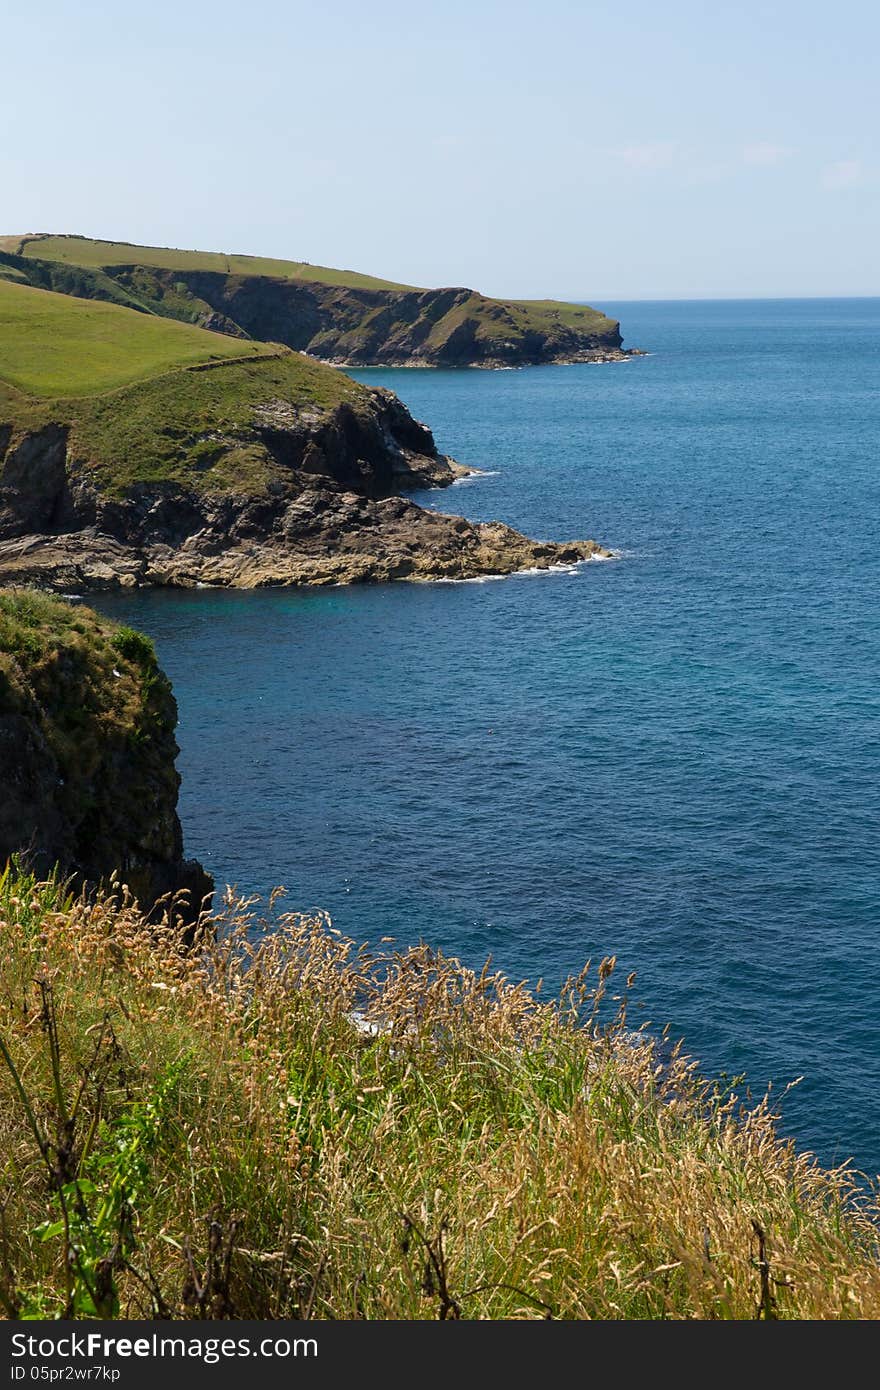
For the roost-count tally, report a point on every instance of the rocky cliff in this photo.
(338, 316)
(87, 750)
(326, 511)
(365, 327)
(214, 466)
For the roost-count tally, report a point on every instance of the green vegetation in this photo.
(64, 670)
(378, 323)
(273, 1124)
(146, 399)
(500, 320)
(87, 252)
(87, 749)
(544, 312)
(155, 293)
(195, 427)
(77, 280)
(35, 628)
(135, 646)
(54, 345)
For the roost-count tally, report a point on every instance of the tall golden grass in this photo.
(272, 1123)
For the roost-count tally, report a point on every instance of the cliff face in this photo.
(346, 324)
(327, 511)
(364, 327)
(87, 750)
(371, 446)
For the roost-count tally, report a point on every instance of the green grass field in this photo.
(149, 399)
(546, 311)
(84, 251)
(54, 345)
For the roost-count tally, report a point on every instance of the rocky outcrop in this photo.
(320, 538)
(87, 750)
(372, 447)
(329, 512)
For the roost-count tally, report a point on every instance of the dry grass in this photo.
(275, 1124)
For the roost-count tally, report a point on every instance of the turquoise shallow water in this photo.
(673, 757)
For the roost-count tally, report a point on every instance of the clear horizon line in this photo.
(714, 298)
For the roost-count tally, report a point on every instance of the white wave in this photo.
(535, 570)
(531, 572)
(477, 579)
(475, 477)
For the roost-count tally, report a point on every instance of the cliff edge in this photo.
(87, 750)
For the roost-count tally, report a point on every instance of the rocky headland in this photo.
(339, 317)
(251, 470)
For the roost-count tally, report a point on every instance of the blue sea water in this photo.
(673, 757)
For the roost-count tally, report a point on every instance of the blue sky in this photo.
(576, 150)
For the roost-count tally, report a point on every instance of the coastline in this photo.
(600, 357)
(459, 552)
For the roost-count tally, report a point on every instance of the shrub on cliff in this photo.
(135, 646)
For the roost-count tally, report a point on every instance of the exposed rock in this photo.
(87, 750)
(33, 480)
(320, 538)
(330, 512)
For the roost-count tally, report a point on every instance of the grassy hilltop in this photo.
(337, 315)
(84, 251)
(147, 399)
(54, 346)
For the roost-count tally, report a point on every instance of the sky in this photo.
(557, 148)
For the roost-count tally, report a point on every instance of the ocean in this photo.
(672, 757)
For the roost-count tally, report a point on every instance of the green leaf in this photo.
(49, 1230)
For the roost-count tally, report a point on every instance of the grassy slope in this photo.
(572, 315)
(479, 1155)
(495, 317)
(53, 345)
(135, 391)
(83, 251)
(490, 313)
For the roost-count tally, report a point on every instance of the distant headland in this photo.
(338, 316)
